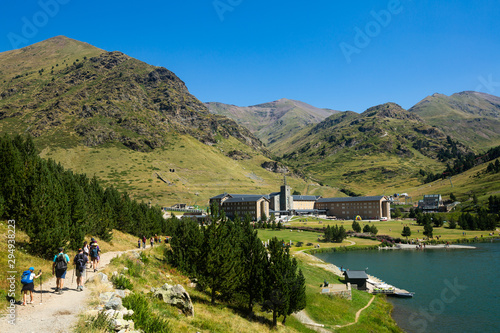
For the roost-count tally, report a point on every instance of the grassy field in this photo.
(199, 172)
(392, 228)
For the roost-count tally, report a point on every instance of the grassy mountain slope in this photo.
(471, 117)
(384, 145)
(463, 186)
(199, 172)
(103, 97)
(273, 122)
(108, 114)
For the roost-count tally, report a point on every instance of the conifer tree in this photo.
(297, 295)
(406, 232)
(220, 266)
(277, 290)
(428, 230)
(253, 263)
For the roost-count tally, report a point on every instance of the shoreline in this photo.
(426, 247)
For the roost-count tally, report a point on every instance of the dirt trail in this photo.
(57, 313)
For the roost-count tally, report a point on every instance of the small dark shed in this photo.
(356, 277)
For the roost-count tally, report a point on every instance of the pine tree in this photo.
(356, 227)
(406, 232)
(220, 267)
(277, 289)
(253, 263)
(428, 230)
(298, 295)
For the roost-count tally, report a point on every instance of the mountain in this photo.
(384, 146)
(470, 117)
(65, 88)
(273, 122)
(132, 125)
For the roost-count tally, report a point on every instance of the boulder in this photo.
(176, 296)
(101, 277)
(114, 303)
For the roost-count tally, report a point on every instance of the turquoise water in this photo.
(456, 290)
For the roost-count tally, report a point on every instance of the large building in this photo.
(431, 203)
(242, 204)
(368, 208)
(284, 203)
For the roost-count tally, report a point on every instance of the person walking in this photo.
(28, 284)
(86, 250)
(94, 255)
(139, 243)
(143, 242)
(59, 268)
(152, 241)
(80, 262)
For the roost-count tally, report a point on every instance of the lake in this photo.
(456, 290)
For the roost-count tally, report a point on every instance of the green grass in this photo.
(200, 171)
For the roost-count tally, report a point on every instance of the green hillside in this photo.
(273, 122)
(375, 152)
(472, 118)
(107, 114)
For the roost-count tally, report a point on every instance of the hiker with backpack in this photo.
(143, 242)
(86, 250)
(94, 255)
(28, 285)
(59, 268)
(80, 262)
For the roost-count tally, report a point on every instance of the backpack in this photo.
(94, 253)
(61, 264)
(80, 262)
(26, 278)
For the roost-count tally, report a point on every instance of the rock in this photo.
(115, 274)
(121, 324)
(105, 297)
(125, 269)
(122, 293)
(101, 277)
(176, 296)
(114, 303)
(135, 254)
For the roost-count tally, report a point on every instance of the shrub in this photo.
(102, 322)
(122, 282)
(143, 317)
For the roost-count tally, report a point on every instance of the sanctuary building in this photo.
(284, 203)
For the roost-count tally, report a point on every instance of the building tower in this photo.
(286, 199)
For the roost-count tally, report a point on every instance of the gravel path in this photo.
(57, 313)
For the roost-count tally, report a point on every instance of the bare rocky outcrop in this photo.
(176, 296)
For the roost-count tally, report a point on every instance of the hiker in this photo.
(143, 242)
(80, 262)
(86, 250)
(28, 284)
(94, 255)
(156, 238)
(59, 268)
(152, 241)
(139, 243)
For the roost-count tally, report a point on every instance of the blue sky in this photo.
(333, 54)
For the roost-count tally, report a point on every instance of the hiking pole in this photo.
(41, 289)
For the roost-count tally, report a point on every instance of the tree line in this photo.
(57, 207)
(230, 262)
(463, 162)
